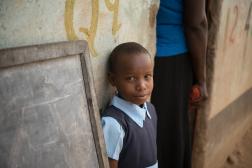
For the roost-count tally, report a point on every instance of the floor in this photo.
(242, 155)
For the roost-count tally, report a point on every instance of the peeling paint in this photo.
(115, 9)
(69, 20)
(102, 23)
(152, 15)
(91, 32)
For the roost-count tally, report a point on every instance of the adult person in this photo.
(180, 62)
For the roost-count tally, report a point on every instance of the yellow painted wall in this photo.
(103, 23)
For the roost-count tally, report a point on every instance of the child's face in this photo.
(133, 77)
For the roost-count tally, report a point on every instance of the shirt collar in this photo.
(134, 111)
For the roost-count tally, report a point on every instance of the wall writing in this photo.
(90, 32)
(233, 33)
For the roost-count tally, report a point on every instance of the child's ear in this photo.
(111, 78)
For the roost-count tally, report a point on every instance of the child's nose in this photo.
(141, 85)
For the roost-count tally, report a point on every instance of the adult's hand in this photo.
(198, 96)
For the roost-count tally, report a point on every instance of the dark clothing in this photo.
(139, 144)
(172, 83)
(181, 28)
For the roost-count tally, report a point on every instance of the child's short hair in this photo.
(128, 48)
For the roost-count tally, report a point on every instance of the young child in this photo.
(129, 123)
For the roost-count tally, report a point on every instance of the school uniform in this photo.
(130, 134)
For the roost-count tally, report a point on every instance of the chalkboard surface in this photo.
(48, 113)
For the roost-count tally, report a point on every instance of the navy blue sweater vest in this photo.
(139, 144)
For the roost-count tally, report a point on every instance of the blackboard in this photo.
(48, 112)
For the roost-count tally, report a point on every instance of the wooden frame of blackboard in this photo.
(37, 53)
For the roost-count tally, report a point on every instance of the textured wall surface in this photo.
(228, 112)
(103, 23)
(233, 59)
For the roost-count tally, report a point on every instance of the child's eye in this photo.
(130, 78)
(148, 77)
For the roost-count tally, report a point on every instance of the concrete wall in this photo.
(233, 55)
(228, 112)
(103, 23)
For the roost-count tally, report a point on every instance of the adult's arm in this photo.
(196, 30)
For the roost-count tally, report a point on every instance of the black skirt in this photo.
(172, 84)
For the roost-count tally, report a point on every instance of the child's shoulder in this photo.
(114, 112)
(151, 110)
(150, 106)
(111, 110)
